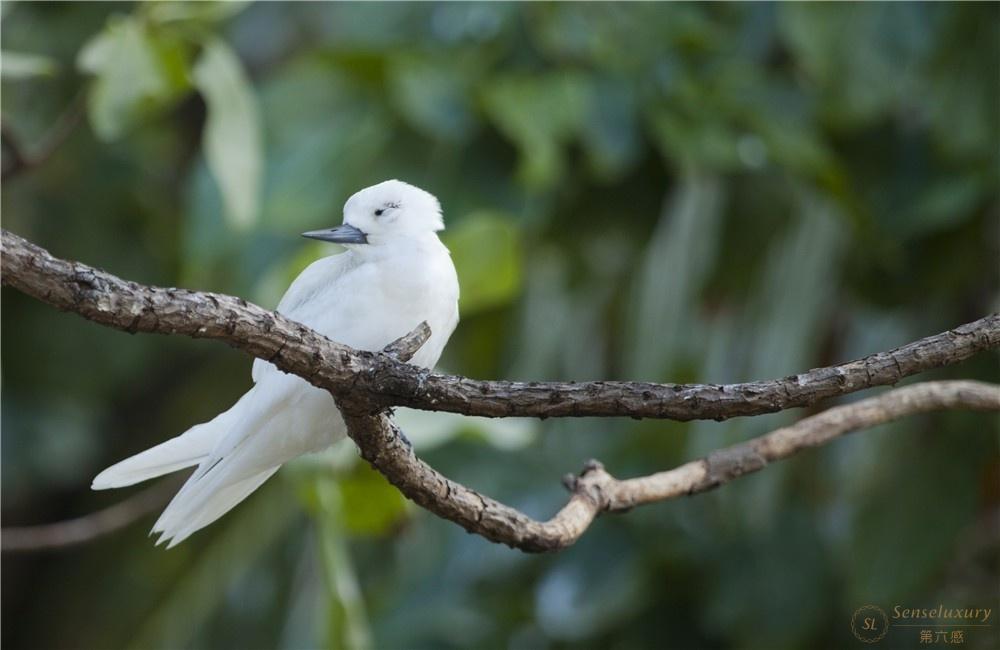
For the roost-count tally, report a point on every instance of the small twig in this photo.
(12, 144)
(88, 527)
(403, 348)
(22, 159)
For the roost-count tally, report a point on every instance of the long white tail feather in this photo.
(226, 475)
(190, 448)
(197, 491)
(194, 494)
(187, 449)
(268, 432)
(187, 519)
(213, 485)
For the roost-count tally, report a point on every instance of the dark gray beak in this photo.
(345, 234)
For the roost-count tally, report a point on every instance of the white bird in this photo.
(394, 274)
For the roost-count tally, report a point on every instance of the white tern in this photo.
(394, 274)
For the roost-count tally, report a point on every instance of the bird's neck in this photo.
(425, 243)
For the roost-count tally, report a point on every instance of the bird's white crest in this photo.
(393, 208)
(395, 274)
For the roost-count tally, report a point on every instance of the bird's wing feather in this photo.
(314, 279)
(283, 416)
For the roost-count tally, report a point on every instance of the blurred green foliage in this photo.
(667, 192)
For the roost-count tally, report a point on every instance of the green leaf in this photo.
(486, 249)
(347, 617)
(701, 141)
(862, 77)
(962, 92)
(539, 114)
(134, 71)
(371, 505)
(943, 204)
(232, 138)
(611, 138)
(319, 152)
(197, 12)
(18, 65)
(433, 95)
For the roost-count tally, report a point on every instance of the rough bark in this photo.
(365, 384)
(381, 381)
(596, 491)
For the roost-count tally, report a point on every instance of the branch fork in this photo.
(367, 385)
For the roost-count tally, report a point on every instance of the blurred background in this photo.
(633, 191)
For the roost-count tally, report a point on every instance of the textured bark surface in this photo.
(684, 401)
(383, 381)
(365, 384)
(595, 491)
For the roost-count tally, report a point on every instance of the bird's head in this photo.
(384, 213)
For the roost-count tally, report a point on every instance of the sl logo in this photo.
(869, 624)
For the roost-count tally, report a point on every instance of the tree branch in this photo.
(22, 160)
(365, 384)
(595, 491)
(88, 527)
(726, 464)
(377, 381)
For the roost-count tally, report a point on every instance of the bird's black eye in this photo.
(387, 206)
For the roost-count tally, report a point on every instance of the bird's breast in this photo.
(376, 302)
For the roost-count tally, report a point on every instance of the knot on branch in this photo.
(374, 365)
(594, 484)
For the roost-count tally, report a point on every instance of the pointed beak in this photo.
(344, 234)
